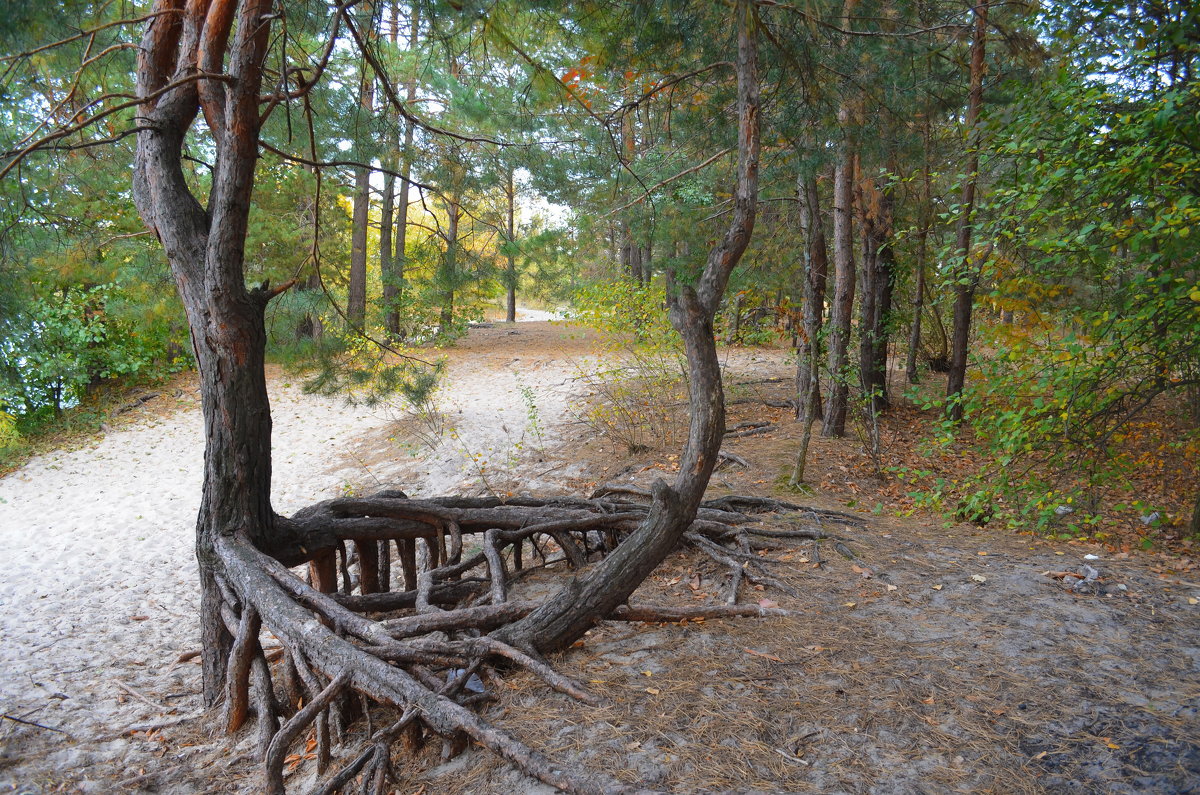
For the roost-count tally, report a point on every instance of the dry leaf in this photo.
(654, 691)
(762, 654)
(892, 588)
(1193, 601)
(866, 573)
(850, 604)
(771, 603)
(937, 587)
(978, 578)
(647, 673)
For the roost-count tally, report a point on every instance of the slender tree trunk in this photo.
(356, 298)
(914, 340)
(449, 276)
(387, 207)
(816, 271)
(967, 271)
(843, 294)
(510, 276)
(565, 617)
(393, 279)
(877, 283)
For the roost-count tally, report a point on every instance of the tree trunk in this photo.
(843, 294)
(589, 596)
(205, 250)
(510, 274)
(393, 279)
(967, 271)
(914, 340)
(816, 270)
(449, 275)
(877, 283)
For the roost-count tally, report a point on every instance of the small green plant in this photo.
(638, 403)
(533, 421)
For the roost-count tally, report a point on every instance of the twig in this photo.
(138, 695)
(15, 719)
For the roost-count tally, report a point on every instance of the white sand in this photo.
(97, 574)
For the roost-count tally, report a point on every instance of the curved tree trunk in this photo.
(590, 596)
(226, 320)
(244, 548)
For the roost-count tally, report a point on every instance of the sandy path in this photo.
(98, 593)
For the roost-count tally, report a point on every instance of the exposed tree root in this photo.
(351, 644)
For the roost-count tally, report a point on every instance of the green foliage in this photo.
(358, 369)
(59, 346)
(638, 402)
(1089, 233)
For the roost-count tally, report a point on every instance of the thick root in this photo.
(427, 663)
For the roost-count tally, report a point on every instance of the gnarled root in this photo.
(422, 650)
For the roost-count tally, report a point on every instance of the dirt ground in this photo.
(933, 659)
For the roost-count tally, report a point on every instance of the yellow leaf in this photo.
(654, 691)
(647, 673)
(937, 587)
(850, 604)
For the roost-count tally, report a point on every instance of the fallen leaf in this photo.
(771, 603)
(937, 587)
(762, 654)
(866, 573)
(892, 588)
(850, 604)
(647, 673)
(978, 578)
(654, 691)
(1193, 600)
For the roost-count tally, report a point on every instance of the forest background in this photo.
(1002, 192)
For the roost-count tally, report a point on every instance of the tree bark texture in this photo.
(878, 279)
(843, 294)
(393, 278)
(449, 269)
(205, 250)
(816, 271)
(510, 275)
(967, 271)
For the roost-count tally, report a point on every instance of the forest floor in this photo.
(939, 658)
